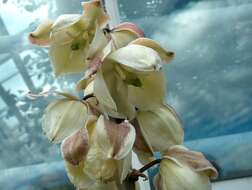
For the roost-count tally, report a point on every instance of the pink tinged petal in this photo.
(129, 26)
(41, 36)
(75, 147)
(94, 65)
(195, 160)
(116, 140)
(96, 62)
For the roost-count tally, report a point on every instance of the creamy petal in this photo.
(66, 60)
(102, 92)
(163, 53)
(115, 140)
(160, 128)
(64, 117)
(111, 93)
(137, 58)
(151, 91)
(65, 21)
(119, 92)
(122, 38)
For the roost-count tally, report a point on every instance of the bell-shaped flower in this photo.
(71, 36)
(159, 129)
(86, 152)
(107, 161)
(138, 64)
(181, 168)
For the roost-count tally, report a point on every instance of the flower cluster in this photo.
(123, 108)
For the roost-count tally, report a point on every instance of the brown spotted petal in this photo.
(195, 160)
(115, 140)
(75, 147)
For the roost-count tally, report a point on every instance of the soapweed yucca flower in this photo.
(182, 169)
(156, 130)
(71, 38)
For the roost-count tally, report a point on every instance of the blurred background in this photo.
(209, 81)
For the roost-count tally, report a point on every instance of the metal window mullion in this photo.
(113, 12)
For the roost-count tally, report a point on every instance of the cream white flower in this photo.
(72, 38)
(184, 169)
(86, 158)
(157, 130)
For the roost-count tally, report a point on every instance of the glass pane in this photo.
(209, 82)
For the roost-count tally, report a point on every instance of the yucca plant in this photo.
(123, 108)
